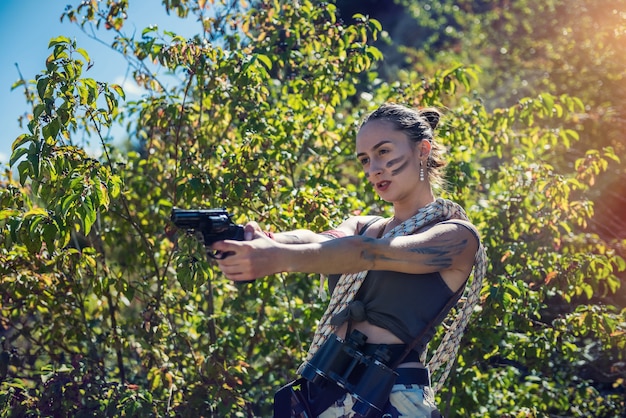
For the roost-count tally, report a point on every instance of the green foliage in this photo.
(528, 48)
(88, 240)
(535, 359)
(108, 311)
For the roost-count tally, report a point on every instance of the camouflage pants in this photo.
(404, 401)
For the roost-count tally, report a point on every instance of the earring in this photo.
(421, 171)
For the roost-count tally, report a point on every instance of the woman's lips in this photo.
(383, 185)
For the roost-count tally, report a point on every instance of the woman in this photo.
(392, 279)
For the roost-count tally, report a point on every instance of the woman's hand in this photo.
(253, 258)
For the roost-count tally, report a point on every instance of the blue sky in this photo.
(26, 27)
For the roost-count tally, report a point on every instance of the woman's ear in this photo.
(424, 148)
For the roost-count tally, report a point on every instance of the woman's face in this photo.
(390, 160)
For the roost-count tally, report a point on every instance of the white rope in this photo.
(349, 284)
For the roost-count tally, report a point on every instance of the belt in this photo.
(394, 350)
(413, 376)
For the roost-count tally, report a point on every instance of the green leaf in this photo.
(58, 40)
(42, 84)
(35, 212)
(33, 243)
(149, 29)
(265, 61)
(16, 155)
(34, 159)
(18, 83)
(375, 53)
(8, 213)
(548, 101)
(119, 90)
(51, 130)
(33, 227)
(21, 140)
(24, 170)
(49, 234)
(84, 53)
(68, 202)
(512, 288)
(376, 24)
(89, 214)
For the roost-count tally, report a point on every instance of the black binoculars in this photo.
(366, 377)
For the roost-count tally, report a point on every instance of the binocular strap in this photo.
(303, 399)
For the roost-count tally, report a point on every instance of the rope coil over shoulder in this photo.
(349, 284)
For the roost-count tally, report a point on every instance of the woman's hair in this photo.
(417, 125)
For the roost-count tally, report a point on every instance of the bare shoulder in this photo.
(455, 233)
(461, 227)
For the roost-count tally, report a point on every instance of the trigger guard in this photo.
(218, 255)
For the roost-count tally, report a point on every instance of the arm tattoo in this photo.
(441, 253)
(369, 255)
(450, 247)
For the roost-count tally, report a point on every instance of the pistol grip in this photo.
(222, 255)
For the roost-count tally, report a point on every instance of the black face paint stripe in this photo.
(395, 161)
(400, 169)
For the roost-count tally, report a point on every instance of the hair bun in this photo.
(432, 116)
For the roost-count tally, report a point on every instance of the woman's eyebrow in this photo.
(375, 147)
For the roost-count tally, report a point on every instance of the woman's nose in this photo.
(375, 169)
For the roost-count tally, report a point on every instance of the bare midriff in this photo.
(376, 335)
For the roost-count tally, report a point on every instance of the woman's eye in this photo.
(364, 161)
(382, 151)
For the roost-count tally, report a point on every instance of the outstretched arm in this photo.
(299, 236)
(446, 248)
(349, 227)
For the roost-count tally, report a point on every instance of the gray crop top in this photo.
(388, 299)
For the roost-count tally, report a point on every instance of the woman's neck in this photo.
(404, 210)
